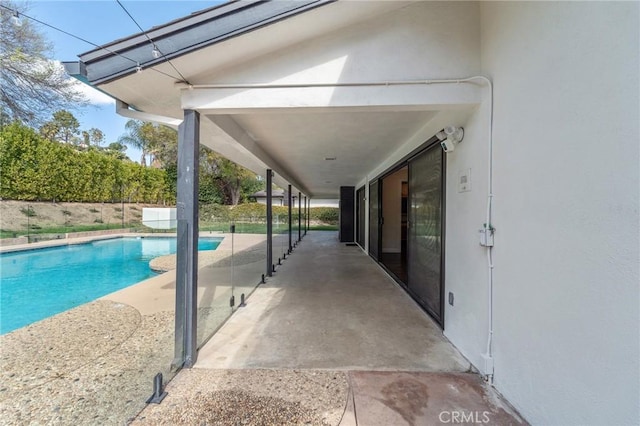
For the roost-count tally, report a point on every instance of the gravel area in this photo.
(251, 397)
(90, 365)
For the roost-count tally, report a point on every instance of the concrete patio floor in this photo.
(335, 336)
(329, 306)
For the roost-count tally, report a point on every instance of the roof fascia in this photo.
(121, 58)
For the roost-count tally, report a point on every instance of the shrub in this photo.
(66, 212)
(214, 213)
(252, 212)
(29, 212)
(94, 210)
(256, 212)
(325, 214)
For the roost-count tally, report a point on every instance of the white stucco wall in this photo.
(566, 184)
(466, 270)
(423, 40)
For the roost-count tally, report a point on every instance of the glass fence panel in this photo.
(280, 229)
(215, 271)
(128, 331)
(100, 320)
(250, 253)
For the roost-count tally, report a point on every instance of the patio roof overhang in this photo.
(284, 90)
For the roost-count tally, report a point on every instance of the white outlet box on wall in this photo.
(464, 180)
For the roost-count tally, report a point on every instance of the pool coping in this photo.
(89, 239)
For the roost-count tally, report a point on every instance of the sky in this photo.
(101, 22)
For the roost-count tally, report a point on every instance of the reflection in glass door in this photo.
(360, 216)
(425, 251)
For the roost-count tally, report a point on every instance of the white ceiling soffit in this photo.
(323, 151)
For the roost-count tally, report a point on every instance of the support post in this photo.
(269, 224)
(299, 216)
(306, 215)
(309, 215)
(290, 198)
(187, 254)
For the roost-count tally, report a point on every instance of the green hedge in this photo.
(36, 169)
(256, 212)
(325, 214)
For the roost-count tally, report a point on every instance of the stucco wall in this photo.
(566, 184)
(466, 270)
(423, 40)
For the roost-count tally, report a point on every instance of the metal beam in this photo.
(359, 97)
(187, 255)
(269, 223)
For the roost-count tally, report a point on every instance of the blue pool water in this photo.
(36, 284)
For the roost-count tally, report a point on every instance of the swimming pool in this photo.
(36, 284)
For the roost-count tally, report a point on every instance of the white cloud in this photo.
(95, 97)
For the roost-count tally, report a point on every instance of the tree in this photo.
(136, 138)
(62, 127)
(93, 137)
(163, 143)
(32, 85)
(159, 143)
(234, 181)
(96, 136)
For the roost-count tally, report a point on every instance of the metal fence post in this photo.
(269, 223)
(187, 254)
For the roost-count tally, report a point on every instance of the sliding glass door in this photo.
(374, 219)
(425, 239)
(360, 216)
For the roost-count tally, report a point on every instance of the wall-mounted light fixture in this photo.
(449, 137)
